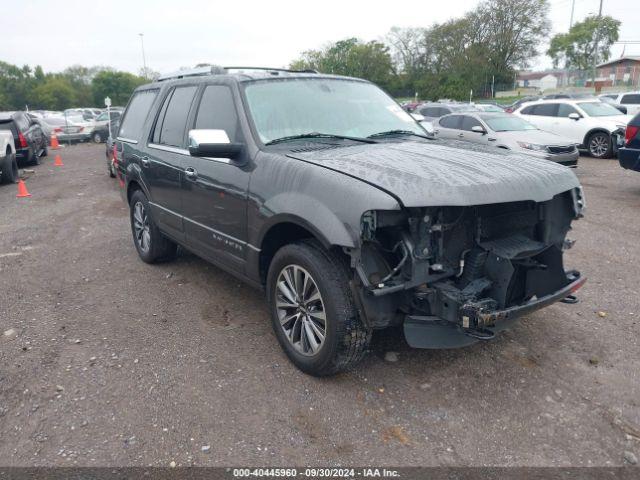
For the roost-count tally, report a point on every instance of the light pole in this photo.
(595, 50)
(144, 60)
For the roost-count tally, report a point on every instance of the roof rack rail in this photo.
(193, 72)
(218, 70)
(269, 69)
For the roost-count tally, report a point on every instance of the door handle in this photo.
(460, 135)
(191, 173)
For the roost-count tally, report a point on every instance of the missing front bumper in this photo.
(474, 325)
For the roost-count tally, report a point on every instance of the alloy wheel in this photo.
(599, 145)
(141, 227)
(300, 310)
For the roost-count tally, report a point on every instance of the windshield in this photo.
(507, 124)
(599, 109)
(298, 106)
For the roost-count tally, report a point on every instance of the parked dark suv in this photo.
(324, 192)
(629, 154)
(30, 140)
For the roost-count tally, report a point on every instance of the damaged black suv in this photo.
(321, 190)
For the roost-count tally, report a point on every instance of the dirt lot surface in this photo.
(105, 360)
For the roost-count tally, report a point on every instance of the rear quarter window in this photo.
(136, 114)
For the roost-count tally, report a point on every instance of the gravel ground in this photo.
(105, 360)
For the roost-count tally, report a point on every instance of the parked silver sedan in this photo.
(504, 130)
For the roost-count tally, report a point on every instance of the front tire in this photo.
(600, 145)
(9, 169)
(313, 313)
(151, 244)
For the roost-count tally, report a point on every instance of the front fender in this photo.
(307, 212)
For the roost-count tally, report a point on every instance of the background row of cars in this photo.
(76, 124)
(555, 128)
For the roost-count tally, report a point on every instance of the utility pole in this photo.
(144, 60)
(573, 7)
(595, 50)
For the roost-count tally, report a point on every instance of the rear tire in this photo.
(35, 158)
(112, 168)
(10, 173)
(96, 137)
(345, 338)
(151, 244)
(600, 145)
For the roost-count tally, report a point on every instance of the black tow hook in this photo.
(570, 299)
(480, 333)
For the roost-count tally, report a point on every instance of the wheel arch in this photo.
(585, 140)
(285, 229)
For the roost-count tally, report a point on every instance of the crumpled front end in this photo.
(454, 275)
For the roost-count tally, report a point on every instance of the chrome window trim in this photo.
(127, 140)
(185, 152)
(167, 148)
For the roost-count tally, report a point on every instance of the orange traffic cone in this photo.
(22, 190)
(58, 161)
(54, 142)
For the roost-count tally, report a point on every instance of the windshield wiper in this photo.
(319, 135)
(398, 132)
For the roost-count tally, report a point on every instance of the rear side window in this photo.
(136, 114)
(452, 121)
(543, 110)
(172, 121)
(469, 122)
(631, 99)
(217, 111)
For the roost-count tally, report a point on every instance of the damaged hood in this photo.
(434, 174)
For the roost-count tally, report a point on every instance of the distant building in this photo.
(621, 71)
(548, 80)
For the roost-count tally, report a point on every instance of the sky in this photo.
(235, 33)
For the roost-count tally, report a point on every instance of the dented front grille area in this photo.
(458, 264)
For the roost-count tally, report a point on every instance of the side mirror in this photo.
(478, 129)
(212, 143)
(574, 116)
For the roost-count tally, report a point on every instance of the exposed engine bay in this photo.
(463, 270)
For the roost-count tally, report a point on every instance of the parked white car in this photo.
(591, 124)
(504, 130)
(8, 164)
(631, 100)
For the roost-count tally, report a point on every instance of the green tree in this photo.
(54, 93)
(577, 48)
(116, 85)
(15, 86)
(351, 57)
